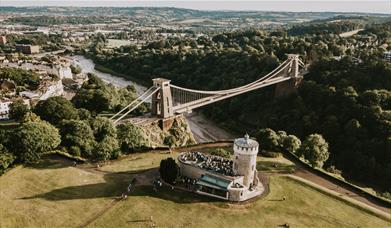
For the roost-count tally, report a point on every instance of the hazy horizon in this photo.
(279, 5)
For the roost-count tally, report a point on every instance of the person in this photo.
(129, 187)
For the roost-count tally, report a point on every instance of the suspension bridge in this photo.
(169, 100)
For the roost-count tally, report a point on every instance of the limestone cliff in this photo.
(157, 131)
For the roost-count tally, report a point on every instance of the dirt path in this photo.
(143, 178)
(95, 216)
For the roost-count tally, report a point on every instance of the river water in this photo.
(88, 66)
(203, 129)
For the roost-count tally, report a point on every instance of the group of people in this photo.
(195, 157)
(219, 165)
(209, 162)
(189, 183)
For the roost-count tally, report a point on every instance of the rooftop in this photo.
(246, 142)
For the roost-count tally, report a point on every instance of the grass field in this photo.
(55, 194)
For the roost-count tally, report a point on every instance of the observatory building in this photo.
(233, 180)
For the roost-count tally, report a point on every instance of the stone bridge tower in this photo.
(290, 86)
(162, 99)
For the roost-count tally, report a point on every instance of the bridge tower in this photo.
(290, 86)
(162, 99)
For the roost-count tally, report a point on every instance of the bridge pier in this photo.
(162, 99)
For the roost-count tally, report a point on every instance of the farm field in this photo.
(53, 193)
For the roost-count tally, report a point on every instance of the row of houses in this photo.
(48, 88)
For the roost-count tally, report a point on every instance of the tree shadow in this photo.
(51, 161)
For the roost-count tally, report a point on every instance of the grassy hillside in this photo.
(56, 194)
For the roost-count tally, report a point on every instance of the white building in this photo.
(4, 109)
(63, 72)
(233, 180)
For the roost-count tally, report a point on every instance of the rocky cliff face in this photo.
(157, 132)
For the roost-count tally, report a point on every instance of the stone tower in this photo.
(289, 86)
(245, 161)
(162, 100)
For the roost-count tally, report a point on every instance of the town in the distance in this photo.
(173, 117)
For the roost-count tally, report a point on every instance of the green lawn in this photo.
(55, 194)
(304, 207)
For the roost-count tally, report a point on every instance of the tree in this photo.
(268, 139)
(168, 170)
(169, 141)
(281, 136)
(84, 114)
(17, 110)
(94, 95)
(106, 149)
(315, 150)
(30, 117)
(32, 139)
(102, 128)
(76, 69)
(56, 109)
(6, 158)
(78, 134)
(291, 143)
(131, 137)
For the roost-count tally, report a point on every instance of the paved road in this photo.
(310, 176)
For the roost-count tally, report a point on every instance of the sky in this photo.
(367, 6)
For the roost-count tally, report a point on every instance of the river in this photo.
(88, 66)
(203, 129)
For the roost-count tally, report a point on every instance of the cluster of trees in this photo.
(22, 78)
(314, 148)
(28, 142)
(51, 42)
(323, 27)
(59, 124)
(97, 96)
(347, 101)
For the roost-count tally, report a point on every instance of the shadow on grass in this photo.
(176, 196)
(114, 185)
(51, 162)
(275, 167)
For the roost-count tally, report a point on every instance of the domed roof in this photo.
(246, 142)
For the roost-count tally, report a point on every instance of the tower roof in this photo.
(246, 142)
